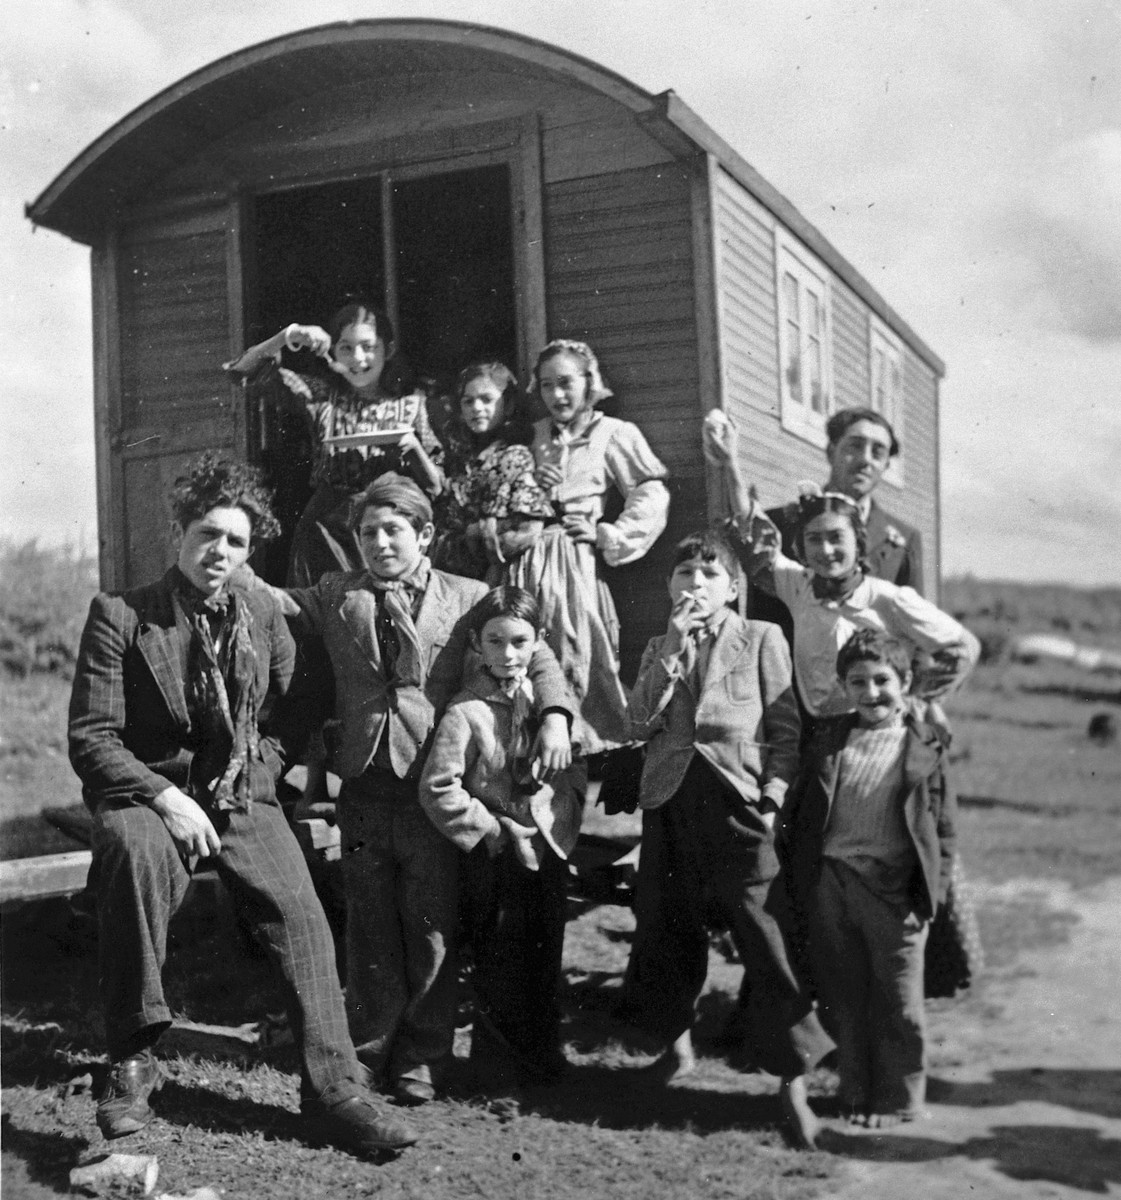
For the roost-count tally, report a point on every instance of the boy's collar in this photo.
(486, 686)
(716, 621)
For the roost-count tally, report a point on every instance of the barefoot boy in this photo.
(871, 828)
(713, 700)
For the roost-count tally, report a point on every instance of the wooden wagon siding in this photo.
(169, 399)
(773, 458)
(917, 503)
(619, 261)
(634, 226)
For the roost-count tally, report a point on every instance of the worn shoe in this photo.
(122, 1107)
(412, 1092)
(357, 1125)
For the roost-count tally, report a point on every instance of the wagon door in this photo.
(163, 395)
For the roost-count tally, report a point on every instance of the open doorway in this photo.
(439, 257)
(454, 271)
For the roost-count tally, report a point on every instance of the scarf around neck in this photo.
(837, 590)
(221, 693)
(519, 691)
(401, 652)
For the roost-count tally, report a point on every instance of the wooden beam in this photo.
(47, 875)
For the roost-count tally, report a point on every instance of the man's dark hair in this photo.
(505, 601)
(873, 646)
(213, 482)
(708, 546)
(839, 422)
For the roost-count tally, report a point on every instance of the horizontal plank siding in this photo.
(174, 323)
(357, 129)
(851, 362)
(772, 459)
(918, 502)
(175, 401)
(619, 275)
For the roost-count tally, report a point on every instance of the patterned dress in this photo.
(577, 611)
(495, 482)
(323, 540)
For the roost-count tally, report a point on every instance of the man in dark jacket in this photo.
(165, 735)
(861, 444)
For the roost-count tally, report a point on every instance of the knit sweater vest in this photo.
(866, 827)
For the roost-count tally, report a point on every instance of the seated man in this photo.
(165, 737)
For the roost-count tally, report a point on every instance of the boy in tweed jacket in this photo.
(714, 703)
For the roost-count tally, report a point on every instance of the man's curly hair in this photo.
(213, 482)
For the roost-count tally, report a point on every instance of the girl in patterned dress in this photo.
(580, 455)
(493, 507)
(360, 427)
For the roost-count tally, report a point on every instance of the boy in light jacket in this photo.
(517, 828)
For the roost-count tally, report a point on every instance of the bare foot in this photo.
(800, 1119)
(679, 1060)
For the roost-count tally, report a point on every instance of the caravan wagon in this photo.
(495, 191)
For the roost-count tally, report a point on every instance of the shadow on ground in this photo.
(1084, 1090)
(1074, 1156)
(48, 1157)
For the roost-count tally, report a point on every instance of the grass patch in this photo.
(607, 1129)
(1039, 802)
(1038, 799)
(44, 597)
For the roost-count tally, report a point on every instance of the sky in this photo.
(964, 155)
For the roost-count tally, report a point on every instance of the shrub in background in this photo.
(45, 594)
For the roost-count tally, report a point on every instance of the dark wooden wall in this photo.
(619, 264)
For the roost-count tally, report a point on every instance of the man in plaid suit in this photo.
(165, 735)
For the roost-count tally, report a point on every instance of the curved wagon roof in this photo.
(132, 156)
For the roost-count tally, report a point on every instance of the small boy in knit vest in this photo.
(870, 831)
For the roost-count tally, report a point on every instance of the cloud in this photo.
(1065, 226)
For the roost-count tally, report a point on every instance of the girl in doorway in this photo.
(361, 426)
(580, 454)
(493, 507)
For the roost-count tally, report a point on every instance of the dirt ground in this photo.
(1025, 1088)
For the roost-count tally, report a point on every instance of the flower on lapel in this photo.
(894, 537)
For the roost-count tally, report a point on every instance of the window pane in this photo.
(790, 298)
(878, 380)
(792, 312)
(814, 382)
(793, 372)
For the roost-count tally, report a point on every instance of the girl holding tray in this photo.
(361, 427)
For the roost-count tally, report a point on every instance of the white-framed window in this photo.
(885, 395)
(805, 339)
